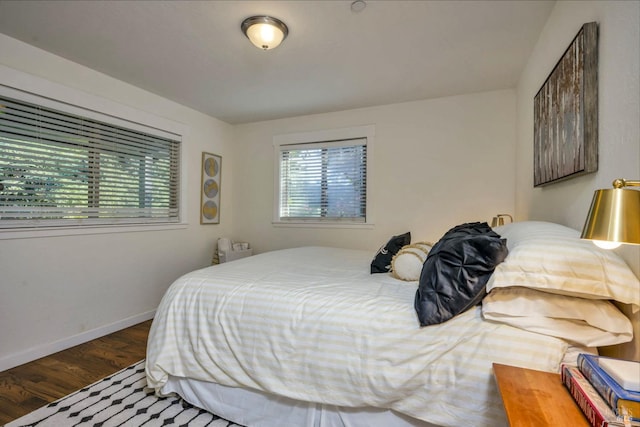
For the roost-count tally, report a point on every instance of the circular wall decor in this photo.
(210, 189)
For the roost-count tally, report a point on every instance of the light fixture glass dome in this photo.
(265, 32)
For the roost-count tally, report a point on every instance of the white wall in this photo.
(619, 117)
(58, 291)
(436, 163)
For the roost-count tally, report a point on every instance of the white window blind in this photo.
(324, 181)
(63, 169)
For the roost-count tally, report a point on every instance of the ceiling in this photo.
(194, 53)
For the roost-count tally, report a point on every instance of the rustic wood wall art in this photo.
(565, 142)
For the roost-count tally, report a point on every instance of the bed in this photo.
(309, 337)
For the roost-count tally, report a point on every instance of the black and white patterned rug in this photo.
(121, 399)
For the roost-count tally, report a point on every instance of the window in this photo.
(63, 169)
(322, 181)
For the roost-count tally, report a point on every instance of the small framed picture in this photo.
(210, 189)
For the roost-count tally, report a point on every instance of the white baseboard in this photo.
(37, 352)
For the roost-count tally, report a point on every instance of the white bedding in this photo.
(312, 324)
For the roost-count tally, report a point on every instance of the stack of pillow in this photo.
(532, 275)
(556, 284)
(452, 273)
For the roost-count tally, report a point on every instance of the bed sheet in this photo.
(239, 405)
(312, 324)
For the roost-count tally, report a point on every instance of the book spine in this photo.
(571, 378)
(607, 387)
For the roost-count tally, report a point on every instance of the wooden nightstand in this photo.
(536, 399)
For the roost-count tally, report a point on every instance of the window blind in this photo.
(62, 169)
(324, 181)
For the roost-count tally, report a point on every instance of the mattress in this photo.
(312, 325)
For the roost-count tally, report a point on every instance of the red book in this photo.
(595, 409)
(623, 402)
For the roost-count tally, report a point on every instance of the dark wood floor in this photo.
(35, 384)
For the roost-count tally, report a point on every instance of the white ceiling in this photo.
(194, 53)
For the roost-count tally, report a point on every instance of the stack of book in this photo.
(606, 389)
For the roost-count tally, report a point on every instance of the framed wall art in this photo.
(565, 140)
(210, 189)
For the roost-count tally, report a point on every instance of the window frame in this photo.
(366, 132)
(66, 99)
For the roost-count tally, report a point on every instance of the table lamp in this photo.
(499, 220)
(614, 216)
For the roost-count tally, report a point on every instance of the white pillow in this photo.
(407, 263)
(552, 258)
(585, 322)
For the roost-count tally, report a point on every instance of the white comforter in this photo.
(312, 324)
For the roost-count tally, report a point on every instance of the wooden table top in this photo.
(535, 398)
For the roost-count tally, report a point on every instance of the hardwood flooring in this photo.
(35, 384)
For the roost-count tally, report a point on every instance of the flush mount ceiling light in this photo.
(358, 6)
(265, 32)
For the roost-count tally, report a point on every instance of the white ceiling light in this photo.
(265, 32)
(358, 6)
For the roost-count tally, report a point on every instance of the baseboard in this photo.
(37, 352)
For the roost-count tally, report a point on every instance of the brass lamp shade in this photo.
(498, 220)
(614, 215)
